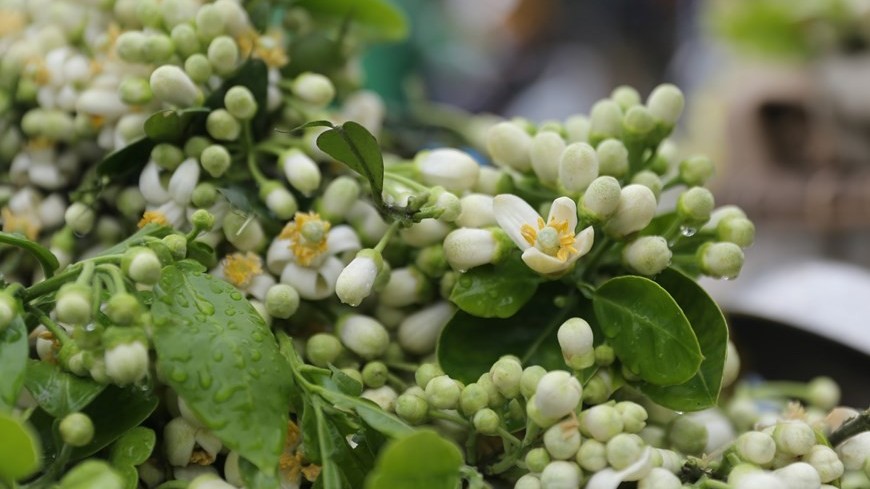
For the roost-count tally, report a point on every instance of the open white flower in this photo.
(548, 246)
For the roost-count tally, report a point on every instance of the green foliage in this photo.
(127, 161)
(495, 290)
(170, 126)
(45, 257)
(20, 454)
(131, 449)
(58, 392)
(353, 145)
(423, 460)
(380, 18)
(115, 411)
(92, 474)
(13, 362)
(233, 378)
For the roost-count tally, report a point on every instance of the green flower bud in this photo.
(636, 208)
(123, 308)
(198, 67)
(412, 408)
(799, 475)
(223, 54)
(242, 231)
(633, 416)
(313, 88)
(338, 197)
(363, 335)
(737, 230)
(612, 158)
(592, 455)
(638, 122)
(167, 156)
(486, 421)
(442, 392)
(623, 450)
(185, 40)
(605, 121)
(222, 126)
(171, 84)
(282, 301)
(148, 13)
(695, 171)
(79, 217)
(76, 429)
(209, 481)
(322, 349)
(279, 200)
(695, 205)
(529, 380)
(578, 167)
(755, 447)
(202, 220)
(9, 309)
(472, 399)
(509, 145)
(135, 91)
(601, 199)
(545, 153)
(575, 340)
(650, 180)
(301, 171)
(505, 374)
(374, 374)
(558, 394)
(215, 159)
(425, 373)
(496, 400)
(577, 129)
(73, 305)
(626, 96)
(823, 393)
(561, 475)
(537, 459)
(665, 103)
(209, 22)
(659, 478)
(601, 422)
(720, 260)
(528, 481)
(204, 195)
(854, 451)
(562, 440)
(431, 261)
(240, 103)
(127, 363)
(130, 46)
(647, 255)
(687, 435)
(141, 265)
(195, 145)
(158, 48)
(177, 245)
(597, 389)
(793, 437)
(604, 355)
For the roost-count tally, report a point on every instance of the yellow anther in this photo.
(304, 246)
(19, 224)
(241, 268)
(153, 217)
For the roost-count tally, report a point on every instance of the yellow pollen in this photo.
(241, 268)
(153, 217)
(267, 47)
(566, 236)
(201, 457)
(303, 249)
(293, 435)
(311, 472)
(19, 224)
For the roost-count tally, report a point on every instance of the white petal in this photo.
(149, 184)
(279, 255)
(184, 180)
(260, 285)
(583, 241)
(564, 209)
(610, 479)
(512, 212)
(342, 238)
(543, 263)
(303, 279)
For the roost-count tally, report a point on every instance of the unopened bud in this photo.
(171, 84)
(605, 120)
(314, 88)
(77, 429)
(558, 394)
(223, 53)
(612, 158)
(559, 474)
(545, 153)
(695, 205)
(575, 340)
(363, 335)
(721, 260)
(301, 171)
(636, 208)
(486, 421)
(240, 103)
(505, 374)
(665, 103)
(601, 199)
(696, 170)
(562, 440)
(647, 255)
(222, 126)
(79, 217)
(358, 278)
(578, 167)
(442, 392)
(508, 144)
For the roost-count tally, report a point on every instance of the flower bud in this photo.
(625, 96)
(558, 394)
(466, 248)
(431, 261)
(647, 255)
(209, 481)
(486, 421)
(130, 46)
(123, 308)
(823, 393)
(854, 451)
(612, 158)
(374, 374)
(215, 160)
(167, 156)
(575, 340)
(561, 475)
(221, 125)
(158, 48)
(363, 335)
(638, 122)
(826, 462)
(79, 217)
(223, 54)
(383, 396)
(406, 286)
(659, 478)
(720, 260)
(442, 392)
(505, 374)
(141, 265)
(240, 103)
(530, 378)
(472, 399)
(636, 208)
(695, 205)
(755, 447)
(737, 230)
(453, 169)
(528, 481)
(357, 280)
(419, 332)
(242, 231)
(799, 475)
(282, 301)
(9, 310)
(633, 416)
(170, 84)
(601, 422)
(509, 145)
(135, 91)
(624, 450)
(412, 408)
(605, 121)
(493, 181)
(592, 455)
(665, 103)
(753, 478)
(601, 199)
(73, 304)
(696, 170)
(577, 129)
(279, 200)
(301, 171)
(322, 349)
(545, 153)
(578, 167)
(76, 429)
(313, 88)
(338, 197)
(687, 435)
(198, 68)
(127, 363)
(562, 440)
(425, 373)
(650, 180)
(537, 459)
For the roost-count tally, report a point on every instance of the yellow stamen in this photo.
(153, 217)
(201, 457)
(266, 47)
(19, 224)
(304, 249)
(565, 236)
(240, 269)
(311, 472)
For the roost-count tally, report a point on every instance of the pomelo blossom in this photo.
(245, 271)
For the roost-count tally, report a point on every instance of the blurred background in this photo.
(778, 94)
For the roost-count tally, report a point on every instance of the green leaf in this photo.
(255, 478)
(469, 345)
(203, 253)
(346, 383)
(126, 161)
(381, 18)
(353, 145)
(129, 474)
(423, 460)
(13, 362)
(308, 426)
(234, 378)
(330, 443)
(46, 258)
(133, 447)
(702, 390)
(92, 474)
(20, 454)
(59, 393)
(647, 329)
(114, 411)
(495, 290)
(169, 126)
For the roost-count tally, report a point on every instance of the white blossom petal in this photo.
(512, 213)
(342, 238)
(610, 479)
(260, 285)
(583, 241)
(543, 263)
(279, 255)
(184, 180)
(150, 186)
(564, 209)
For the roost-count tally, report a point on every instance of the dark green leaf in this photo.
(234, 380)
(469, 345)
(254, 75)
(647, 329)
(495, 290)
(330, 443)
(115, 411)
(702, 390)
(45, 257)
(13, 362)
(203, 253)
(133, 447)
(126, 161)
(20, 454)
(316, 51)
(129, 474)
(380, 17)
(255, 478)
(92, 474)
(423, 460)
(371, 414)
(308, 426)
(353, 145)
(346, 383)
(170, 126)
(58, 392)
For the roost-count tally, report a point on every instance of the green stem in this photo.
(436, 414)
(385, 239)
(397, 382)
(506, 435)
(595, 257)
(115, 274)
(247, 144)
(403, 366)
(87, 273)
(50, 325)
(471, 447)
(73, 271)
(403, 180)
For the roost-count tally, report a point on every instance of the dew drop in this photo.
(204, 379)
(230, 312)
(687, 231)
(256, 355)
(217, 355)
(179, 375)
(235, 296)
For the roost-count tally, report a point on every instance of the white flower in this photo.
(358, 278)
(610, 479)
(418, 333)
(453, 169)
(245, 271)
(549, 246)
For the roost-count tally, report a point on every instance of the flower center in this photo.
(19, 224)
(307, 234)
(553, 238)
(240, 269)
(153, 217)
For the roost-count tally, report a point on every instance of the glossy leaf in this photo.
(308, 427)
(133, 447)
(169, 126)
(423, 460)
(129, 474)
(203, 253)
(382, 421)
(20, 454)
(46, 258)
(647, 329)
(255, 478)
(57, 392)
(346, 383)
(702, 390)
(495, 290)
(216, 351)
(353, 145)
(92, 474)
(13, 362)
(380, 17)
(129, 160)
(113, 412)
(330, 444)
